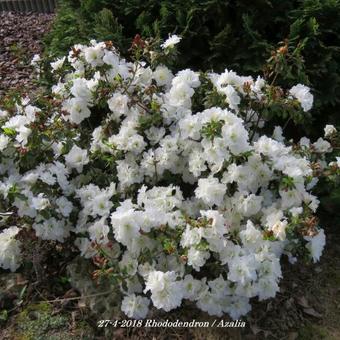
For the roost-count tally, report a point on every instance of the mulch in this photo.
(20, 39)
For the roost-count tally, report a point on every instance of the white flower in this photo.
(187, 76)
(220, 287)
(211, 191)
(98, 231)
(210, 303)
(3, 113)
(40, 202)
(125, 227)
(303, 95)
(316, 244)
(171, 41)
(267, 288)
(80, 89)
(233, 98)
(101, 204)
(162, 75)
(94, 55)
(135, 306)
(249, 205)
(228, 78)
(166, 291)
(64, 206)
(337, 162)
(242, 269)
(197, 258)
(240, 306)
(58, 64)
(322, 146)
(180, 95)
(279, 230)
(78, 109)
(217, 221)
(277, 134)
(77, 158)
(85, 247)
(51, 229)
(190, 237)
(23, 134)
(190, 126)
(296, 211)
(304, 141)
(35, 60)
(118, 104)
(251, 235)
(129, 264)
(235, 137)
(111, 59)
(329, 130)
(4, 140)
(191, 288)
(10, 254)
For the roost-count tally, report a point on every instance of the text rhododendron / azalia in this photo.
(171, 173)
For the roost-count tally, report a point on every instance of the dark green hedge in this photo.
(240, 35)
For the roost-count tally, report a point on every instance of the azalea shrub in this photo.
(169, 183)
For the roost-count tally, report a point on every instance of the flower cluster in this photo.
(167, 176)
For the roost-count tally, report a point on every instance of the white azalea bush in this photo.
(166, 181)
